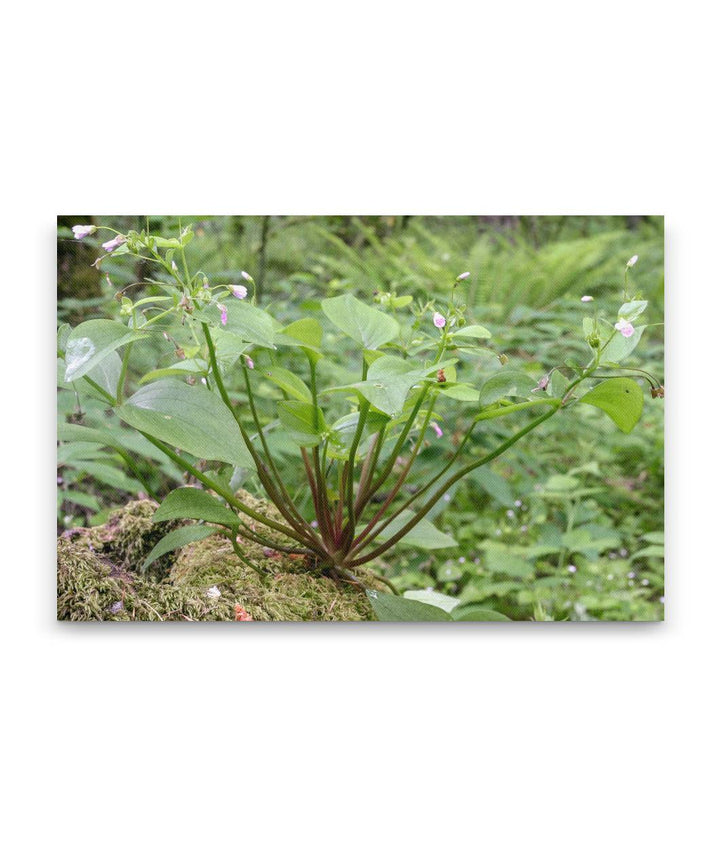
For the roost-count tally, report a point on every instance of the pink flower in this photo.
(81, 232)
(625, 328)
(245, 275)
(239, 291)
(439, 320)
(114, 243)
(462, 276)
(249, 362)
(542, 383)
(437, 429)
(631, 262)
(223, 313)
(586, 298)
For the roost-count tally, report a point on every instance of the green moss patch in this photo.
(99, 578)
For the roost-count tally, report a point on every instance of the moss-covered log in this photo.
(100, 578)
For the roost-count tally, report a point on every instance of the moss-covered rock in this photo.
(100, 578)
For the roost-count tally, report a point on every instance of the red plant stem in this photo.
(443, 489)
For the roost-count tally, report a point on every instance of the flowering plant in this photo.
(355, 443)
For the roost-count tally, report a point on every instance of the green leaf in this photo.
(288, 382)
(106, 373)
(477, 613)
(245, 321)
(472, 331)
(390, 607)
(176, 539)
(306, 332)
(304, 422)
(620, 347)
(189, 417)
(196, 504)
(508, 384)
(389, 380)
(107, 474)
(364, 324)
(434, 598)
(91, 342)
(424, 534)
(79, 498)
(620, 398)
(459, 391)
(632, 310)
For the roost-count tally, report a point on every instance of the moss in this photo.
(127, 537)
(99, 578)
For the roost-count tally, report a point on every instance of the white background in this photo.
(360, 739)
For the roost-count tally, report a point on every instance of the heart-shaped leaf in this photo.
(620, 398)
(366, 325)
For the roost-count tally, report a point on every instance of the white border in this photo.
(544, 739)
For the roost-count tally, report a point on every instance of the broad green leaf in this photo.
(620, 347)
(92, 341)
(632, 310)
(196, 504)
(434, 598)
(477, 613)
(472, 331)
(189, 417)
(306, 331)
(288, 382)
(70, 432)
(620, 398)
(343, 430)
(424, 534)
(390, 607)
(366, 325)
(304, 422)
(459, 391)
(106, 373)
(176, 539)
(248, 322)
(389, 380)
(507, 384)
(654, 537)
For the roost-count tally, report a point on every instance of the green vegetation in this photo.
(566, 525)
